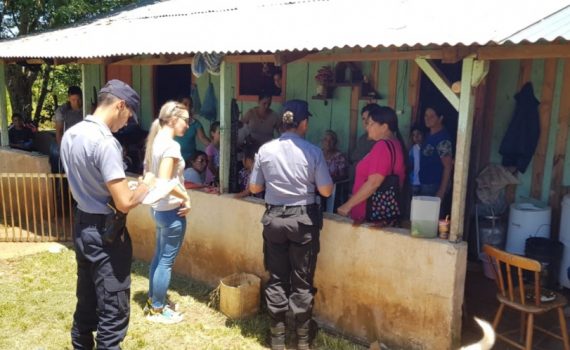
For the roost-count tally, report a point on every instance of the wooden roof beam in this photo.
(439, 80)
(374, 56)
(530, 51)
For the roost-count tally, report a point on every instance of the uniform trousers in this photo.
(103, 284)
(291, 246)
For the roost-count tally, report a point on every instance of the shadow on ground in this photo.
(253, 327)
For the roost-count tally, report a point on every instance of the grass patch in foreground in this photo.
(38, 301)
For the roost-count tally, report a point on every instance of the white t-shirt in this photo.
(165, 147)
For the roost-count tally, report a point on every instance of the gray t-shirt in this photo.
(68, 116)
(91, 157)
(290, 168)
(165, 147)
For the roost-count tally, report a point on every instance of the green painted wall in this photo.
(141, 76)
(504, 108)
(93, 76)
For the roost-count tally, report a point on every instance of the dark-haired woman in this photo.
(262, 120)
(386, 158)
(436, 162)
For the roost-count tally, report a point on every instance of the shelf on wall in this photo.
(322, 98)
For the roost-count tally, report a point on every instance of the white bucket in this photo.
(424, 216)
(526, 220)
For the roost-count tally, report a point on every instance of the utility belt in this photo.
(273, 207)
(110, 225)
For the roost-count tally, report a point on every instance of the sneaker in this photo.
(173, 306)
(166, 316)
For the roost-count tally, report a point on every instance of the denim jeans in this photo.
(170, 229)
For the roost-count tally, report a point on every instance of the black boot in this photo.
(278, 336)
(303, 339)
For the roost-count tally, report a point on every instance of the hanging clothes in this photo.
(209, 108)
(521, 138)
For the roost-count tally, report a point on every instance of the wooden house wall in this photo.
(547, 175)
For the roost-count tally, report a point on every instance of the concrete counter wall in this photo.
(18, 161)
(373, 284)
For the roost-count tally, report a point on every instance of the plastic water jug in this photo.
(425, 216)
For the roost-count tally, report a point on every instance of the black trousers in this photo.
(103, 285)
(291, 246)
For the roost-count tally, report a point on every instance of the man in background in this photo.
(65, 117)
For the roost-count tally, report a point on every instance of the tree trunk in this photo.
(20, 81)
(43, 92)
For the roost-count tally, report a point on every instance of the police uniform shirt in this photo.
(289, 167)
(91, 157)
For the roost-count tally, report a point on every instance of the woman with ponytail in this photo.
(164, 159)
(380, 174)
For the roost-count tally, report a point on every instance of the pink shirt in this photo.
(377, 161)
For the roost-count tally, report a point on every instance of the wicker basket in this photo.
(239, 295)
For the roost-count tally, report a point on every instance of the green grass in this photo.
(38, 299)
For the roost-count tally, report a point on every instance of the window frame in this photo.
(254, 98)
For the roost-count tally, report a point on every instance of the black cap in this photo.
(124, 92)
(295, 111)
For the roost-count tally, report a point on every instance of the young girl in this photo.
(213, 152)
(417, 138)
(163, 158)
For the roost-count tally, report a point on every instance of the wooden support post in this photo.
(545, 112)
(439, 80)
(225, 129)
(354, 118)
(560, 149)
(463, 149)
(3, 106)
(489, 115)
(414, 84)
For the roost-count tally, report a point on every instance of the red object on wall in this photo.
(123, 73)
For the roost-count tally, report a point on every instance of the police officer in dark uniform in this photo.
(291, 170)
(92, 159)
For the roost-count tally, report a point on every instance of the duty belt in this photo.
(274, 207)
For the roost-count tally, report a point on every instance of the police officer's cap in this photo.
(295, 111)
(124, 92)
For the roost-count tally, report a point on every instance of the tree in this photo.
(22, 17)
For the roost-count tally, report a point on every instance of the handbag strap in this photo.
(392, 154)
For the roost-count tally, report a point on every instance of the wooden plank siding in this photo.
(560, 149)
(393, 84)
(488, 115)
(539, 160)
(414, 83)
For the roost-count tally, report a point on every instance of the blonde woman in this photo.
(164, 159)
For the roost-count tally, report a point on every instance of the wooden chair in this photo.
(522, 298)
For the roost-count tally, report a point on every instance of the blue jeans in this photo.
(170, 229)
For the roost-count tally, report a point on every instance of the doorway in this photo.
(430, 96)
(171, 82)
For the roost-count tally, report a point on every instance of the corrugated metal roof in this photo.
(551, 28)
(185, 27)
